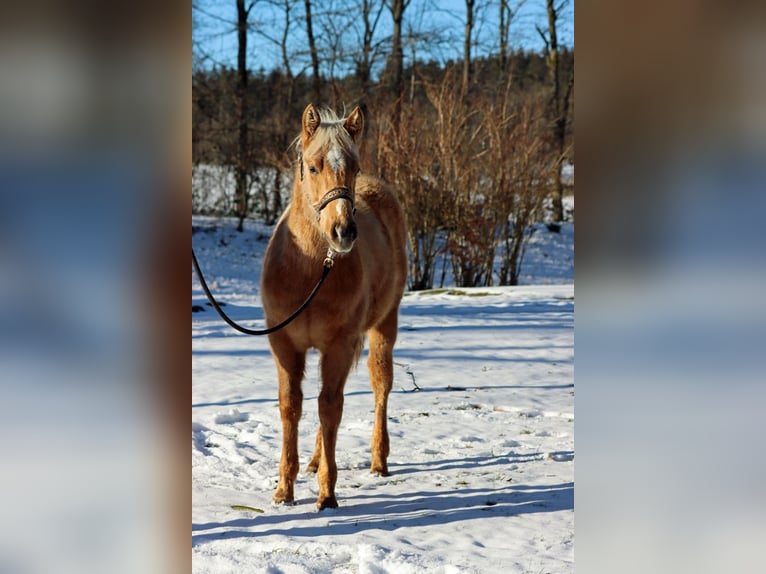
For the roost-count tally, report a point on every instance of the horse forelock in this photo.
(331, 139)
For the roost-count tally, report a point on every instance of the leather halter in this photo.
(341, 192)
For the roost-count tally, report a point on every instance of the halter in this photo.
(341, 192)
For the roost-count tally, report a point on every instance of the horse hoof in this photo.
(281, 498)
(379, 471)
(329, 502)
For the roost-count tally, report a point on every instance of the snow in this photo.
(481, 420)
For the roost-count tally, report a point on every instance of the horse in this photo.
(359, 219)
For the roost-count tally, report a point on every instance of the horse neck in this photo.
(300, 222)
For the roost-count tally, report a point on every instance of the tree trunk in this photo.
(364, 64)
(316, 86)
(242, 151)
(559, 127)
(397, 8)
(469, 13)
(505, 22)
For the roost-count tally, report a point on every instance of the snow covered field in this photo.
(481, 424)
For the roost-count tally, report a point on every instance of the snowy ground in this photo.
(481, 424)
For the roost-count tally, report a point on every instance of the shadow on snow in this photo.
(392, 512)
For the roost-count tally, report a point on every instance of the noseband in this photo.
(332, 195)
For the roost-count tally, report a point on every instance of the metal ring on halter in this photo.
(328, 260)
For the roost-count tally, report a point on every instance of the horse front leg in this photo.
(290, 364)
(335, 365)
(380, 364)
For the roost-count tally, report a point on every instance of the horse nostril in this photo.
(345, 232)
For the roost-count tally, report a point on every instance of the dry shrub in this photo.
(472, 177)
(519, 163)
(406, 159)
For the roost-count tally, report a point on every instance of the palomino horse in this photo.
(360, 220)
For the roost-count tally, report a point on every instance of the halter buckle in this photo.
(328, 260)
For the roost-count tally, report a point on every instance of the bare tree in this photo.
(334, 20)
(507, 12)
(558, 105)
(316, 85)
(371, 12)
(396, 65)
(242, 177)
(470, 6)
(274, 131)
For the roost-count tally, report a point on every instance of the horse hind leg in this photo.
(380, 364)
(313, 465)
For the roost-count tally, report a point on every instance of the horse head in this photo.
(329, 164)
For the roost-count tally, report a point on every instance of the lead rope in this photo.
(327, 264)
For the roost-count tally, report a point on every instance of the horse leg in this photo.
(380, 363)
(313, 466)
(335, 364)
(290, 363)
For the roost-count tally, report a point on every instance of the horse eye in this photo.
(313, 170)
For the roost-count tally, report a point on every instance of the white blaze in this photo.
(335, 157)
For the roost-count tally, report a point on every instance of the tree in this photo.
(507, 12)
(371, 12)
(316, 85)
(470, 5)
(276, 134)
(396, 63)
(558, 105)
(242, 178)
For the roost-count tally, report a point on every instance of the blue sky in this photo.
(215, 38)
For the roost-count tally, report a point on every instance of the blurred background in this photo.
(95, 158)
(670, 320)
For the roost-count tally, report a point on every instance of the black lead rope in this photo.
(327, 266)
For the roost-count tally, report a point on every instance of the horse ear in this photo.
(354, 123)
(310, 122)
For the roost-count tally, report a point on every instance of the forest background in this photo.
(468, 109)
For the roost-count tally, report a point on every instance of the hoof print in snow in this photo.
(197, 308)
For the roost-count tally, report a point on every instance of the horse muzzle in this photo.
(341, 230)
(343, 236)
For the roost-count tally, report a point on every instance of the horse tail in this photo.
(358, 349)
